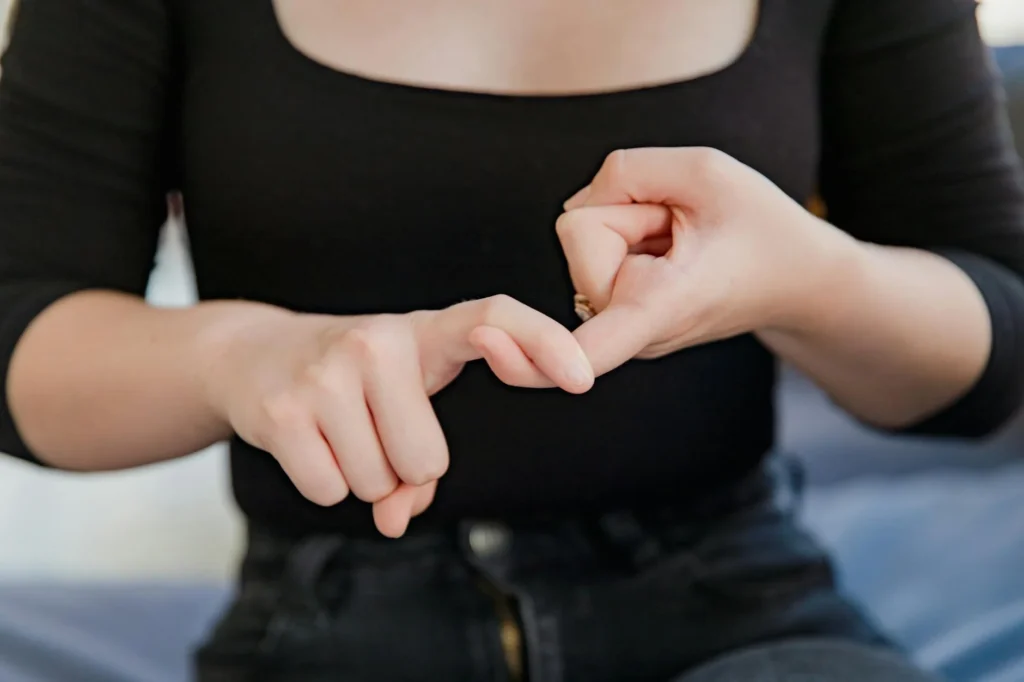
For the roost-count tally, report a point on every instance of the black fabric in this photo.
(323, 191)
(641, 596)
(819, 659)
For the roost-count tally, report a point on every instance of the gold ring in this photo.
(584, 308)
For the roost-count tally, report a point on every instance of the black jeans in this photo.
(729, 589)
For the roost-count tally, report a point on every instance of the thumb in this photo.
(614, 336)
(392, 514)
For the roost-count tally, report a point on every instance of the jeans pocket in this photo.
(406, 618)
(275, 610)
(240, 639)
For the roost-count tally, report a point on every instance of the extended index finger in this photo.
(549, 346)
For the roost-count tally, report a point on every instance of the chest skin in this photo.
(521, 47)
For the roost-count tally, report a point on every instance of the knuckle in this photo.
(568, 225)
(422, 476)
(325, 495)
(374, 343)
(282, 410)
(501, 301)
(497, 307)
(426, 471)
(375, 491)
(435, 467)
(615, 173)
(710, 163)
(615, 166)
(326, 374)
(361, 342)
(311, 481)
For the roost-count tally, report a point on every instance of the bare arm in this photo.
(893, 335)
(86, 120)
(101, 380)
(925, 332)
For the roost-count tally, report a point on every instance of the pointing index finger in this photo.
(554, 353)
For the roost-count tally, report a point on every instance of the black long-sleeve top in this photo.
(323, 191)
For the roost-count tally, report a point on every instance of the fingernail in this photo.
(581, 373)
(578, 376)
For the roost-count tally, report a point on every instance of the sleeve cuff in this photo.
(998, 394)
(20, 308)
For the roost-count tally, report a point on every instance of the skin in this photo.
(662, 247)
(675, 247)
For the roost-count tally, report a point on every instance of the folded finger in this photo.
(404, 417)
(345, 421)
(659, 175)
(547, 344)
(392, 514)
(424, 498)
(507, 360)
(309, 463)
(597, 239)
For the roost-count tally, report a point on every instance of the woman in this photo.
(372, 195)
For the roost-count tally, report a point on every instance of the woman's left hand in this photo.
(676, 247)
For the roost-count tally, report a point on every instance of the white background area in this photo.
(173, 521)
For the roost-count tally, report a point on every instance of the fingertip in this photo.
(392, 532)
(579, 375)
(390, 524)
(570, 372)
(579, 387)
(424, 498)
(392, 514)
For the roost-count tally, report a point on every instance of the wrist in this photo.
(830, 270)
(226, 330)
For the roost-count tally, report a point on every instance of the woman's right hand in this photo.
(343, 403)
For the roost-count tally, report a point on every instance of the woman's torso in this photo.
(309, 186)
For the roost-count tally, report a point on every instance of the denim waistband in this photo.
(591, 597)
(630, 534)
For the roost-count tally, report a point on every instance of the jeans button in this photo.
(487, 540)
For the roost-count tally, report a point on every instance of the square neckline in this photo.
(289, 52)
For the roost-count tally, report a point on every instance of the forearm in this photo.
(893, 335)
(100, 380)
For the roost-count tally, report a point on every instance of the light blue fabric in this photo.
(94, 633)
(939, 559)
